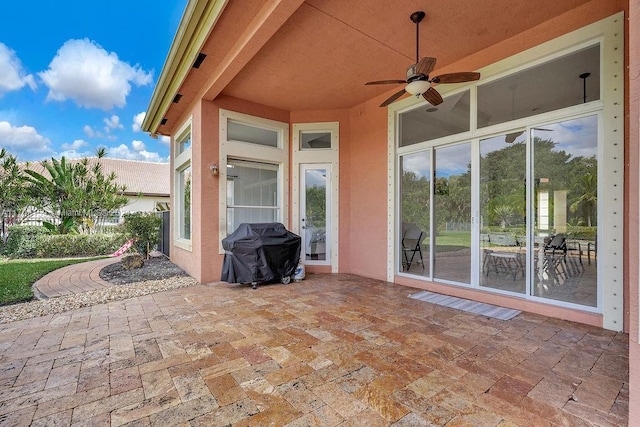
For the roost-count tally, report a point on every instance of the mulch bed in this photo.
(153, 269)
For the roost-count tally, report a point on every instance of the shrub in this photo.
(70, 245)
(23, 240)
(144, 228)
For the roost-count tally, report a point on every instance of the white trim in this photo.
(318, 156)
(180, 163)
(609, 32)
(253, 152)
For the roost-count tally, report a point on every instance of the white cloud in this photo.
(166, 140)
(75, 145)
(74, 154)
(113, 122)
(124, 152)
(138, 145)
(24, 141)
(94, 78)
(137, 121)
(92, 133)
(12, 75)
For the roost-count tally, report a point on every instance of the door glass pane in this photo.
(565, 170)
(428, 122)
(503, 212)
(415, 202)
(315, 219)
(452, 198)
(252, 193)
(556, 84)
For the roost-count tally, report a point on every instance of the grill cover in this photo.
(262, 252)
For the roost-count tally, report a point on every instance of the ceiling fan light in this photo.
(417, 87)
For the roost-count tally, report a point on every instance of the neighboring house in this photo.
(147, 183)
(270, 120)
(147, 186)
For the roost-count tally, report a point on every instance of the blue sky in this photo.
(78, 75)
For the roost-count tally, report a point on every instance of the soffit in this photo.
(320, 58)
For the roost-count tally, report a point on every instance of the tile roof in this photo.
(147, 178)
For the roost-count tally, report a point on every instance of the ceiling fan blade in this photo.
(432, 96)
(456, 77)
(511, 137)
(385, 82)
(393, 98)
(426, 65)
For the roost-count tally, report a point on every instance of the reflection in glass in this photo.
(315, 238)
(315, 140)
(184, 188)
(252, 193)
(243, 132)
(565, 169)
(428, 122)
(546, 87)
(452, 198)
(503, 212)
(415, 187)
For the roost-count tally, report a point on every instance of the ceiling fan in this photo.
(418, 81)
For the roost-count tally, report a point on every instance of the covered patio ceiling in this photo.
(317, 54)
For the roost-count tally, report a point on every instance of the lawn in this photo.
(17, 276)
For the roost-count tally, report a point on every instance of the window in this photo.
(184, 203)
(183, 185)
(427, 123)
(252, 193)
(243, 132)
(523, 205)
(253, 183)
(315, 140)
(570, 80)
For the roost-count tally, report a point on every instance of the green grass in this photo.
(17, 276)
(450, 241)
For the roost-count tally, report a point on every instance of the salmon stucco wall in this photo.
(204, 261)
(368, 190)
(197, 262)
(633, 181)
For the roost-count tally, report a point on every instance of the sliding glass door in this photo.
(452, 206)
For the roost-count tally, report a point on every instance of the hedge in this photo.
(36, 242)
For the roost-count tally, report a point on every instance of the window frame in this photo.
(608, 33)
(182, 161)
(251, 152)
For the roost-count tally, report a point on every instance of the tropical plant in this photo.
(73, 192)
(14, 201)
(144, 229)
(503, 214)
(588, 198)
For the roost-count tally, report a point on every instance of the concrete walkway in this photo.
(73, 279)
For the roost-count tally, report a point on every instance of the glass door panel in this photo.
(415, 221)
(315, 212)
(452, 211)
(503, 212)
(565, 195)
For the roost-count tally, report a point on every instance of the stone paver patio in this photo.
(333, 350)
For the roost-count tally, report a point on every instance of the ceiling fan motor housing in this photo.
(412, 75)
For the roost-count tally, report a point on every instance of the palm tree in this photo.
(74, 191)
(588, 198)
